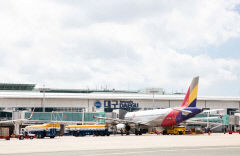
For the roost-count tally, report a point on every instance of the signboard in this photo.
(98, 104)
(118, 104)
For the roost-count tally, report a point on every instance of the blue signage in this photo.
(98, 104)
(120, 104)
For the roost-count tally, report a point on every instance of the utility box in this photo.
(231, 120)
(236, 120)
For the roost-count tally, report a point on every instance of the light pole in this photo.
(153, 91)
(43, 106)
(44, 96)
(83, 110)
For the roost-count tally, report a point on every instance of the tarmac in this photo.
(215, 144)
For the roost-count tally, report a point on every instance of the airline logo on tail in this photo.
(187, 109)
(190, 99)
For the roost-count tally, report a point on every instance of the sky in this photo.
(122, 44)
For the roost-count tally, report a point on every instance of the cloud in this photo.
(119, 44)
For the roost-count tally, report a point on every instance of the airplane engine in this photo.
(124, 126)
(121, 126)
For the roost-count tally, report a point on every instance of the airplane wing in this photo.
(203, 118)
(216, 111)
(200, 122)
(184, 112)
(117, 121)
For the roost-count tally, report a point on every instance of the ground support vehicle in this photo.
(44, 130)
(25, 134)
(174, 131)
(194, 131)
(83, 130)
(4, 133)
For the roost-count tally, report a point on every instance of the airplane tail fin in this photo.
(190, 99)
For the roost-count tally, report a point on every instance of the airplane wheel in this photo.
(97, 134)
(76, 134)
(102, 133)
(136, 132)
(164, 132)
(21, 137)
(40, 136)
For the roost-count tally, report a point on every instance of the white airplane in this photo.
(162, 117)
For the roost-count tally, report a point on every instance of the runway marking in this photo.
(164, 150)
(124, 153)
(206, 148)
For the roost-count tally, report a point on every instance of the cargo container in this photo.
(4, 133)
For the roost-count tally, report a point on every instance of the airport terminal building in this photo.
(14, 97)
(18, 100)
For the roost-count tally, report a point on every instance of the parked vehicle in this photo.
(175, 131)
(83, 130)
(42, 131)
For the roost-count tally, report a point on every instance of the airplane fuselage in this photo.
(161, 117)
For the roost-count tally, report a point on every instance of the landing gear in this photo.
(180, 133)
(52, 137)
(96, 133)
(164, 132)
(127, 129)
(138, 132)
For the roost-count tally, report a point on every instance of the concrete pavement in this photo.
(117, 145)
